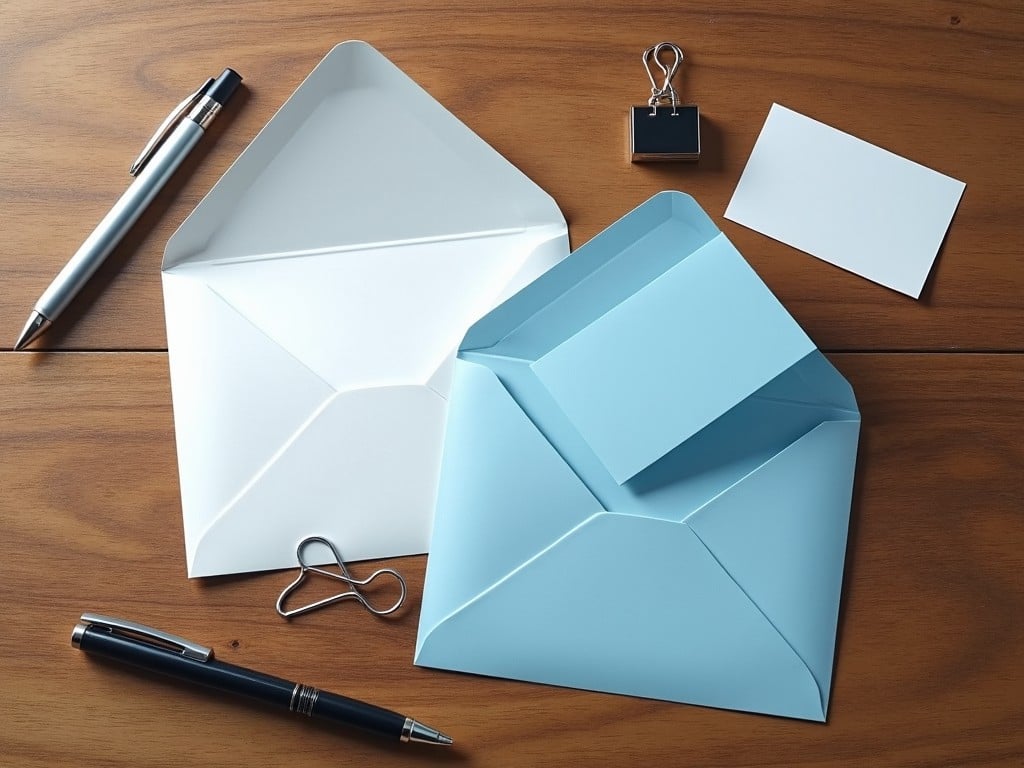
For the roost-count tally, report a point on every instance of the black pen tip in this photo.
(224, 87)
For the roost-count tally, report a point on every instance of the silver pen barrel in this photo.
(163, 153)
(115, 225)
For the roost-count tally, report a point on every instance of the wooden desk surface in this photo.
(930, 662)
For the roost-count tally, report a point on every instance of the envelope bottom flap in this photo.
(591, 612)
(368, 458)
(781, 532)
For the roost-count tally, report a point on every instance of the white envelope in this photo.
(314, 302)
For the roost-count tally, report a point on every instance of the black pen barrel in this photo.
(213, 674)
(230, 678)
(342, 709)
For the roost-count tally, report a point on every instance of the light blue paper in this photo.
(646, 481)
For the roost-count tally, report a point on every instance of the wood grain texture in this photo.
(930, 664)
(548, 85)
(929, 669)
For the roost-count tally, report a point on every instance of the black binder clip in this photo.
(664, 129)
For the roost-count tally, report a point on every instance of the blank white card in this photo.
(845, 201)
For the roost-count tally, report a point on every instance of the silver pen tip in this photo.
(34, 328)
(424, 734)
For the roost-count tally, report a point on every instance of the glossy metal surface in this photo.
(134, 629)
(118, 221)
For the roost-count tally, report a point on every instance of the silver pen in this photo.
(162, 155)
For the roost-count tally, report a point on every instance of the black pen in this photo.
(151, 649)
(160, 158)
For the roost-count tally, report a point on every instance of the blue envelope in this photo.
(646, 481)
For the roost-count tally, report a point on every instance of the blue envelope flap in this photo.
(671, 358)
(596, 277)
(546, 622)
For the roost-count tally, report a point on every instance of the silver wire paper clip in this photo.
(664, 129)
(353, 593)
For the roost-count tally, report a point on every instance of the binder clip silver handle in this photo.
(664, 129)
(665, 94)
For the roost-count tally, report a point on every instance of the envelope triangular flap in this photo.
(641, 362)
(359, 154)
(549, 622)
(781, 534)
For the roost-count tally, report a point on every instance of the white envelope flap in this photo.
(375, 316)
(359, 154)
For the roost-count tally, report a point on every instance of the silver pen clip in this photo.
(167, 126)
(141, 632)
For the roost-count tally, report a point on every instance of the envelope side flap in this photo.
(368, 457)
(586, 613)
(224, 371)
(671, 358)
(736, 444)
(322, 173)
(616, 263)
(504, 494)
(550, 247)
(781, 534)
(814, 382)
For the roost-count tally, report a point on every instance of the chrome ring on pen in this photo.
(303, 699)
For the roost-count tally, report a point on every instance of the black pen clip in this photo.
(167, 126)
(136, 631)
